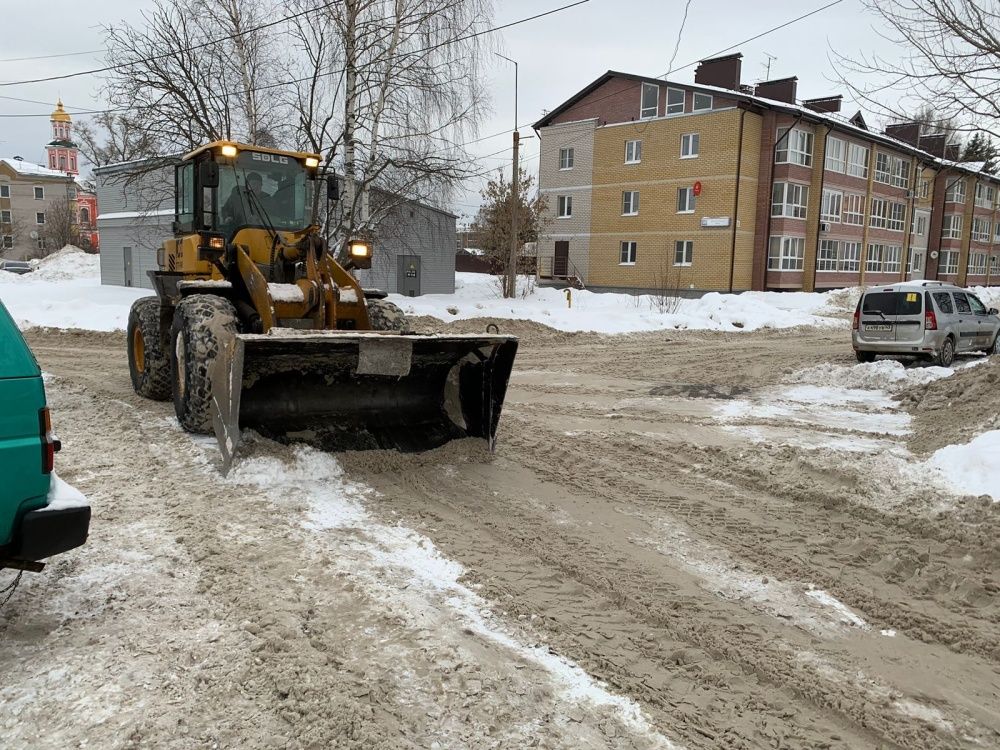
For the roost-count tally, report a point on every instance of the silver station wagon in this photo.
(928, 319)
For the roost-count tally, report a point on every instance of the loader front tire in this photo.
(203, 324)
(385, 316)
(148, 335)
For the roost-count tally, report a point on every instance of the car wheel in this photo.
(385, 316)
(148, 349)
(864, 356)
(202, 323)
(947, 354)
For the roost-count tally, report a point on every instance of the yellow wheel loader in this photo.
(255, 324)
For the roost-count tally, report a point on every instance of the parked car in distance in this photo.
(40, 514)
(15, 266)
(928, 319)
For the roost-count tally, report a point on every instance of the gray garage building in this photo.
(414, 244)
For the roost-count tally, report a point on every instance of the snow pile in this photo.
(971, 468)
(63, 496)
(988, 295)
(478, 296)
(884, 374)
(65, 291)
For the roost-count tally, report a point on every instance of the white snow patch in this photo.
(888, 633)
(348, 296)
(63, 496)
(972, 468)
(286, 293)
(336, 503)
(839, 607)
(477, 295)
(885, 374)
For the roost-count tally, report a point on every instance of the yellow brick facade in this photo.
(658, 225)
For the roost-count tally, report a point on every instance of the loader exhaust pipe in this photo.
(346, 391)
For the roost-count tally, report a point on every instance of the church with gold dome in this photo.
(34, 196)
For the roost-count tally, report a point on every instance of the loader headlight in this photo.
(312, 162)
(229, 151)
(360, 249)
(217, 243)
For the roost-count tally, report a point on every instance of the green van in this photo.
(40, 515)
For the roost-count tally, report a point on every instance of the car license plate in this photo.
(878, 327)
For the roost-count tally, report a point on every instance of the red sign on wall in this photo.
(697, 188)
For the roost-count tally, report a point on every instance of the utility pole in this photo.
(510, 284)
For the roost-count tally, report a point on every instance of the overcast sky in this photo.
(557, 56)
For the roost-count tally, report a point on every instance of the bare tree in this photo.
(61, 227)
(949, 60)
(493, 222)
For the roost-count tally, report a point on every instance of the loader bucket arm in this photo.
(359, 391)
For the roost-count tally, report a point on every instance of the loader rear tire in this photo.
(385, 316)
(148, 336)
(202, 324)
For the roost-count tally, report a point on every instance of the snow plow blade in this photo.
(361, 391)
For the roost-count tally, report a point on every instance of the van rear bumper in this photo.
(44, 533)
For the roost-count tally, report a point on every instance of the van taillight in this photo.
(50, 443)
(930, 322)
(857, 318)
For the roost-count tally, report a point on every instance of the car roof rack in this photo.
(933, 283)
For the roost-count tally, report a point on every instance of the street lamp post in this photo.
(510, 287)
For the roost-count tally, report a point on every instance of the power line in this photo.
(275, 23)
(50, 57)
(680, 33)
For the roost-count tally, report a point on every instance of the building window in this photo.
(830, 211)
(850, 256)
(857, 160)
(685, 200)
(854, 209)
(949, 261)
(994, 264)
(827, 255)
(786, 253)
(955, 192)
(790, 200)
(951, 227)
(85, 214)
(8, 241)
(918, 225)
(565, 205)
(900, 172)
(891, 258)
(4, 191)
(627, 257)
(630, 203)
(981, 229)
(5, 217)
(40, 243)
(71, 193)
(690, 143)
(683, 252)
(650, 101)
(39, 193)
(977, 263)
(701, 102)
(40, 217)
(879, 213)
(565, 158)
(836, 155)
(924, 188)
(873, 264)
(897, 217)
(633, 152)
(72, 163)
(882, 168)
(985, 194)
(675, 101)
(795, 148)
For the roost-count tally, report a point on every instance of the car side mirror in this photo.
(994, 311)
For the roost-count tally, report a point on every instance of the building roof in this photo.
(854, 126)
(60, 114)
(33, 170)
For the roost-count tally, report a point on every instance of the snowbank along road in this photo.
(685, 539)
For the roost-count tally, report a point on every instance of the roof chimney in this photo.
(907, 132)
(933, 144)
(824, 104)
(723, 72)
(780, 90)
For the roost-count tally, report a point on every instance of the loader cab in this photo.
(225, 187)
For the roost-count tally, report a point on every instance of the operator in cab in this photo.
(249, 204)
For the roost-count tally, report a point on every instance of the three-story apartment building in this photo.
(718, 186)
